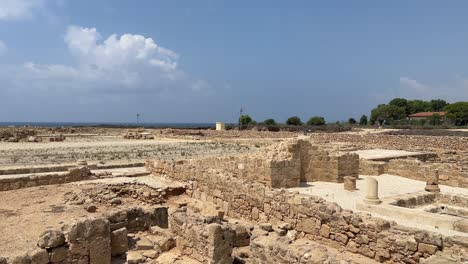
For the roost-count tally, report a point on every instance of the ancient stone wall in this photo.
(285, 165)
(311, 216)
(208, 240)
(321, 165)
(92, 240)
(449, 173)
(25, 181)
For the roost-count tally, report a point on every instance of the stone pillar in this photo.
(372, 191)
(432, 184)
(349, 183)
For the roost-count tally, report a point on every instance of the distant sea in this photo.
(103, 124)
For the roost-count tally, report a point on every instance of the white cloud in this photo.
(413, 85)
(128, 63)
(116, 52)
(18, 9)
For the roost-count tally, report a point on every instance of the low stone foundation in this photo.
(25, 181)
(449, 173)
(92, 240)
(312, 217)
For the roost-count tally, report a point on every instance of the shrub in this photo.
(352, 121)
(363, 120)
(316, 121)
(294, 121)
(270, 122)
(244, 121)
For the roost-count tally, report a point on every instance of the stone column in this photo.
(372, 191)
(349, 183)
(432, 184)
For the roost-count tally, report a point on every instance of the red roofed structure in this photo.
(424, 115)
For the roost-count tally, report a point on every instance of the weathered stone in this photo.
(21, 259)
(144, 244)
(39, 256)
(266, 226)
(51, 239)
(90, 208)
(325, 231)
(58, 254)
(242, 238)
(427, 248)
(119, 242)
(341, 238)
(134, 257)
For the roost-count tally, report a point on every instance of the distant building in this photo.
(220, 126)
(424, 115)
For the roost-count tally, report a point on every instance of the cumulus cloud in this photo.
(115, 52)
(126, 63)
(18, 9)
(104, 68)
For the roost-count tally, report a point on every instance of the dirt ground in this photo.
(26, 213)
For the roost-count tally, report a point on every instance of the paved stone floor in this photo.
(382, 154)
(389, 185)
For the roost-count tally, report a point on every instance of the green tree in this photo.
(438, 105)
(387, 113)
(244, 121)
(416, 106)
(363, 120)
(435, 120)
(316, 121)
(402, 103)
(458, 112)
(352, 121)
(294, 121)
(270, 122)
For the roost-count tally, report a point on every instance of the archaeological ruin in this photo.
(187, 196)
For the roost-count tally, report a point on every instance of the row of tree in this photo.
(399, 109)
(394, 112)
(246, 120)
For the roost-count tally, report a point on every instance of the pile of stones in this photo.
(138, 135)
(9, 135)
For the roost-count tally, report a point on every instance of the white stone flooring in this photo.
(389, 185)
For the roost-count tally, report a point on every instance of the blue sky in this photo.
(200, 61)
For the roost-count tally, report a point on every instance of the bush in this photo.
(244, 121)
(352, 121)
(270, 122)
(294, 121)
(316, 121)
(363, 120)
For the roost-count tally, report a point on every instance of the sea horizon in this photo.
(109, 124)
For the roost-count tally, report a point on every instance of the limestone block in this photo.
(119, 242)
(51, 239)
(100, 250)
(427, 248)
(39, 256)
(341, 238)
(349, 183)
(242, 236)
(134, 257)
(58, 254)
(325, 231)
(21, 259)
